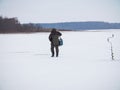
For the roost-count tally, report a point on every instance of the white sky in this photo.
(44, 11)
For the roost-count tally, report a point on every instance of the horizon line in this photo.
(68, 22)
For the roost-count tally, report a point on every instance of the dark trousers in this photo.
(56, 49)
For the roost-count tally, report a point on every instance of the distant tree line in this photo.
(87, 25)
(12, 25)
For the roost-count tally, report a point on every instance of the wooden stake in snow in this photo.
(111, 47)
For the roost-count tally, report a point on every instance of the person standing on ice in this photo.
(54, 39)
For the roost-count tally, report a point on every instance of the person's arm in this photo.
(60, 34)
(50, 38)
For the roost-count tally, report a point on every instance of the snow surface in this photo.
(84, 62)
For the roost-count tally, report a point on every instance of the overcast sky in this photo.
(49, 11)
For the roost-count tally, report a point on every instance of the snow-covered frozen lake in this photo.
(84, 62)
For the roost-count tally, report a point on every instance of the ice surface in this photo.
(84, 62)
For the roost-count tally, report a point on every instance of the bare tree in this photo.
(111, 46)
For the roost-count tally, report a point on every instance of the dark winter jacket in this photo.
(54, 38)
